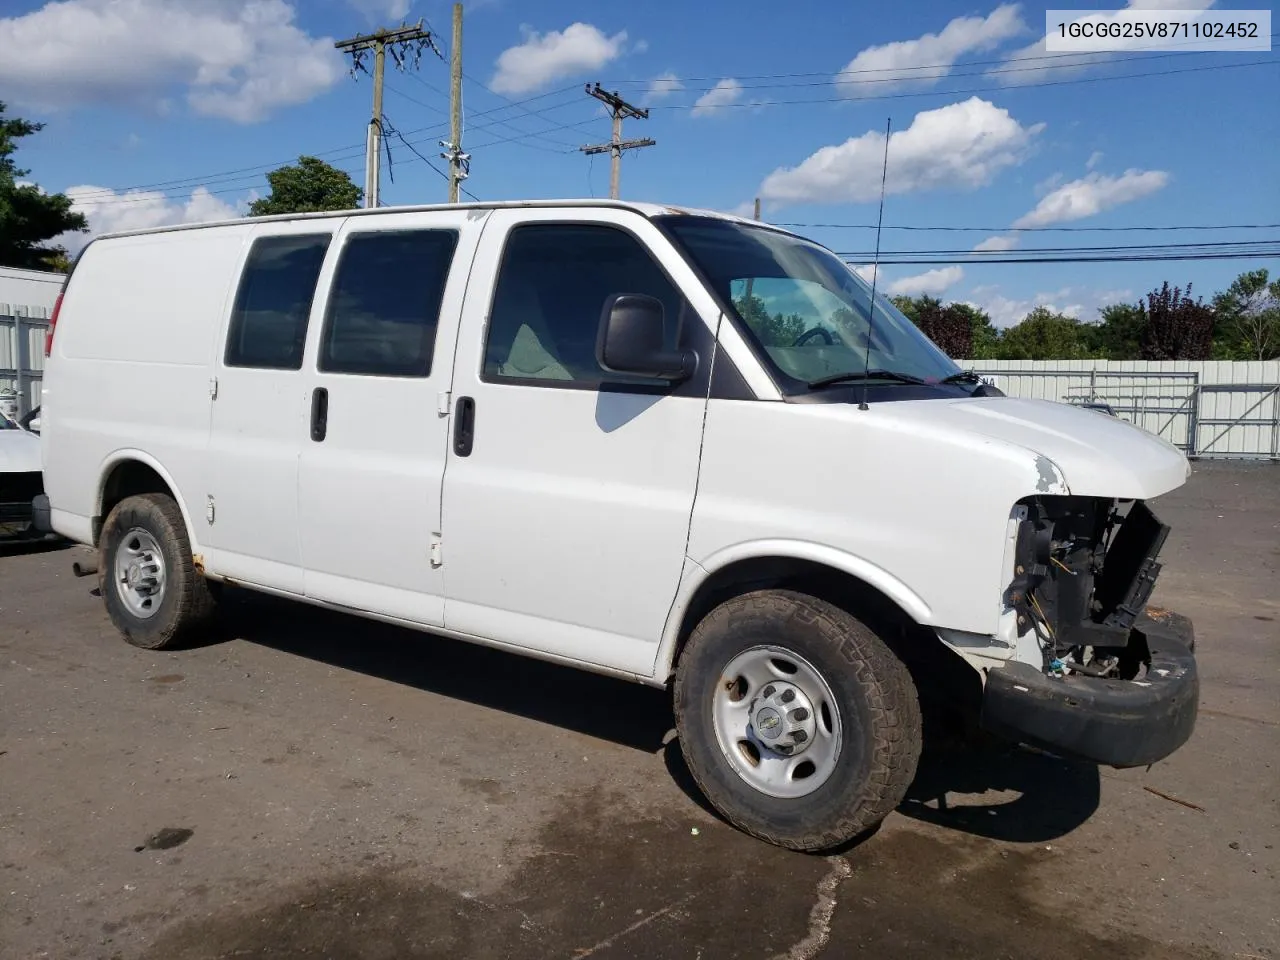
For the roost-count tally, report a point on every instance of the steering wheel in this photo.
(812, 332)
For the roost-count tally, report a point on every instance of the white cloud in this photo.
(937, 51)
(663, 85)
(932, 282)
(640, 46)
(1092, 194)
(382, 9)
(723, 94)
(996, 244)
(109, 212)
(1049, 183)
(963, 145)
(237, 59)
(868, 272)
(1095, 158)
(1033, 63)
(546, 57)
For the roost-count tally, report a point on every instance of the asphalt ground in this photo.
(315, 785)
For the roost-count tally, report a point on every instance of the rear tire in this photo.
(812, 778)
(148, 580)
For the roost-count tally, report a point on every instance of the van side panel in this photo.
(131, 366)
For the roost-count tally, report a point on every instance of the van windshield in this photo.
(806, 309)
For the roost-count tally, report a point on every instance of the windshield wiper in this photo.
(873, 374)
(964, 376)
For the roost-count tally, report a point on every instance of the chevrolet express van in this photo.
(673, 446)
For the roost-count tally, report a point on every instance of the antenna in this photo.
(875, 270)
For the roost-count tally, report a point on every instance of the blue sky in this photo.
(168, 110)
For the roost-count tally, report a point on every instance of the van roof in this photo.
(644, 209)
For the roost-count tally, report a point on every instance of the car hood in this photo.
(19, 452)
(1094, 454)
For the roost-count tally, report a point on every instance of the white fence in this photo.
(1211, 408)
(22, 331)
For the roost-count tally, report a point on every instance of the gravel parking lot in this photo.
(313, 785)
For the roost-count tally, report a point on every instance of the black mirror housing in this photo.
(630, 340)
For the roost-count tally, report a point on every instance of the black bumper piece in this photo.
(41, 516)
(1117, 723)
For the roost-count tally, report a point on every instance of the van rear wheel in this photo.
(154, 595)
(796, 720)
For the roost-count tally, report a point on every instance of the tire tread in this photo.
(894, 708)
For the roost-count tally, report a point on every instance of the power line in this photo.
(1166, 229)
(197, 180)
(414, 150)
(981, 254)
(955, 92)
(1255, 255)
(1105, 59)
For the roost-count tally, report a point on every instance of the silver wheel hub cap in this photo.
(782, 717)
(777, 721)
(140, 573)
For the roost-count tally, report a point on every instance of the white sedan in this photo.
(20, 478)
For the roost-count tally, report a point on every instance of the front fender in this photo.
(696, 574)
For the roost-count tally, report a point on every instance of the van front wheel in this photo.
(796, 720)
(148, 580)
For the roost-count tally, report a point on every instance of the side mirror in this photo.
(630, 340)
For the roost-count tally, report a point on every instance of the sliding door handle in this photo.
(319, 414)
(464, 426)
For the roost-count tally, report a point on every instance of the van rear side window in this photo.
(269, 321)
(385, 303)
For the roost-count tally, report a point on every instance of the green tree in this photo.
(1175, 326)
(773, 330)
(1045, 335)
(309, 186)
(1118, 333)
(1247, 318)
(928, 312)
(28, 217)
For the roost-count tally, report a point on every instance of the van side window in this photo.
(552, 286)
(269, 320)
(385, 304)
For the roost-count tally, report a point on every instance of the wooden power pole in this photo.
(621, 110)
(453, 148)
(400, 40)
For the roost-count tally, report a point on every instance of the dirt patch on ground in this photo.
(603, 886)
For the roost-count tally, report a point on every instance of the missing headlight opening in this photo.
(1084, 571)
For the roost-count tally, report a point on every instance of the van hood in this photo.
(1094, 455)
(19, 452)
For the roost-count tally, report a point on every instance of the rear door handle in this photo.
(319, 414)
(464, 426)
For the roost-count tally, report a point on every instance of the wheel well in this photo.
(127, 479)
(943, 679)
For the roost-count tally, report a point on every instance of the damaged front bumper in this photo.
(1110, 721)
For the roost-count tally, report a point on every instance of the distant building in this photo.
(28, 292)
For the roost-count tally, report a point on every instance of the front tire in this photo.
(154, 595)
(796, 720)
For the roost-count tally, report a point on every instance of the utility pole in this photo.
(457, 159)
(621, 110)
(401, 41)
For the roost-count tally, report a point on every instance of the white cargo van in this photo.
(667, 445)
